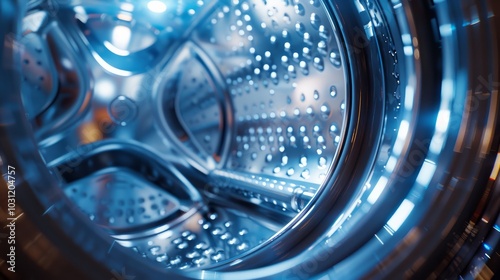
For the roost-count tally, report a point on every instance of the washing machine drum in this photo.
(249, 139)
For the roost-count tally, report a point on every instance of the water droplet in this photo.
(307, 38)
(175, 261)
(177, 241)
(310, 111)
(323, 32)
(291, 71)
(322, 47)
(318, 63)
(316, 95)
(306, 52)
(130, 220)
(208, 251)
(199, 260)
(302, 129)
(315, 3)
(213, 216)
(269, 158)
(303, 66)
(300, 28)
(217, 231)
(218, 256)
(284, 160)
(274, 76)
(154, 250)
(287, 46)
(284, 60)
(225, 236)
(243, 246)
(325, 111)
(296, 112)
(322, 162)
(233, 241)
(305, 174)
(182, 246)
(333, 91)
(192, 254)
(161, 258)
(299, 9)
(335, 59)
(315, 20)
(290, 171)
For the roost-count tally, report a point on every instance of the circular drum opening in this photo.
(195, 133)
(253, 139)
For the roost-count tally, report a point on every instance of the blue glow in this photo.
(486, 246)
(401, 215)
(426, 173)
(157, 6)
(378, 189)
(446, 30)
(496, 227)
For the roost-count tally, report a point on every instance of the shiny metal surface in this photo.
(132, 90)
(253, 139)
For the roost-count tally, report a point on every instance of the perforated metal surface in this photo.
(247, 98)
(284, 76)
(118, 199)
(40, 76)
(202, 240)
(53, 88)
(250, 139)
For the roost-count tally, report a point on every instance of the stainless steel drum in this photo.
(247, 139)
